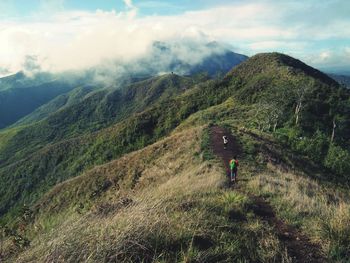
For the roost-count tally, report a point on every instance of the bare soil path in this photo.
(299, 246)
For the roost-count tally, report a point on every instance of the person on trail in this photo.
(225, 141)
(233, 168)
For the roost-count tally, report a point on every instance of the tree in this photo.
(340, 121)
(2, 237)
(301, 90)
(333, 129)
(338, 159)
(271, 109)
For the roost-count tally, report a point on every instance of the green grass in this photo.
(206, 151)
(6, 135)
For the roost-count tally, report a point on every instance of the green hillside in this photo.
(65, 100)
(52, 163)
(98, 110)
(20, 80)
(129, 175)
(16, 103)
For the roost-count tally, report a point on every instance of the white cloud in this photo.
(275, 44)
(51, 6)
(129, 3)
(78, 40)
(331, 58)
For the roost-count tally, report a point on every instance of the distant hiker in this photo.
(233, 168)
(225, 141)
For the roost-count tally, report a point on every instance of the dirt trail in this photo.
(298, 245)
(217, 144)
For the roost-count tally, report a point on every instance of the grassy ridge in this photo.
(60, 161)
(301, 196)
(241, 101)
(163, 111)
(163, 203)
(322, 212)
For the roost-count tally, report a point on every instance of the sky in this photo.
(58, 35)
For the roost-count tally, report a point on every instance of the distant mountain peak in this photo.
(270, 62)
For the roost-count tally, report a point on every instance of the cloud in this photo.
(51, 6)
(128, 3)
(330, 58)
(77, 40)
(31, 65)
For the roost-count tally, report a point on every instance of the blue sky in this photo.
(316, 31)
(25, 8)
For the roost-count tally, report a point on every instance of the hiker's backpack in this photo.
(233, 164)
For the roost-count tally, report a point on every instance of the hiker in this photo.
(233, 168)
(225, 141)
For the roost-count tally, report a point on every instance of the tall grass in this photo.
(175, 210)
(322, 212)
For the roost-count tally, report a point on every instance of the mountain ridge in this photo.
(269, 61)
(163, 57)
(256, 101)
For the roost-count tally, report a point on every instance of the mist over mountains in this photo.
(22, 93)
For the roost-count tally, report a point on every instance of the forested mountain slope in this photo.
(96, 155)
(16, 103)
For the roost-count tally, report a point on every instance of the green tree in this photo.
(338, 160)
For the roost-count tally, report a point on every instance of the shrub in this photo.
(338, 160)
(314, 147)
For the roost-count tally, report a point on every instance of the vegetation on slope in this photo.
(68, 158)
(15, 103)
(302, 106)
(65, 100)
(270, 93)
(301, 194)
(97, 111)
(163, 203)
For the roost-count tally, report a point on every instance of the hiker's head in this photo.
(235, 157)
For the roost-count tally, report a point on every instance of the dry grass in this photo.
(164, 203)
(160, 181)
(322, 212)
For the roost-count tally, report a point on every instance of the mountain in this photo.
(33, 147)
(342, 79)
(21, 95)
(211, 58)
(67, 99)
(20, 80)
(18, 102)
(135, 174)
(98, 110)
